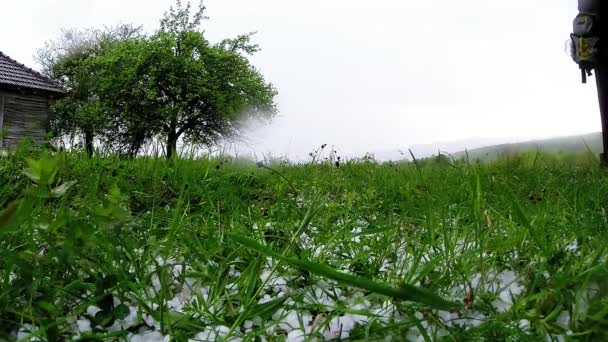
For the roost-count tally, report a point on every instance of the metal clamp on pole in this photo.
(584, 74)
(585, 43)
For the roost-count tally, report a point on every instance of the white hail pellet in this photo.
(25, 331)
(265, 299)
(288, 321)
(234, 273)
(265, 275)
(148, 336)
(232, 288)
(445, 316)
(151, 322)
(92, 310)
(83, 325)
(206, 335)
(563, 319)
(573, 246)
(130, 321)
(177, 270)
(156, 283)
(339, 328)
(278, 284)
(296, 335)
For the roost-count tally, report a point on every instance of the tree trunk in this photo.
(172, 137)
(171, 147)
(88, 142)
(171, 144)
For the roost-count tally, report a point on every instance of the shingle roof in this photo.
(16, 75)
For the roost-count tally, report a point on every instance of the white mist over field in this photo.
(376, 76)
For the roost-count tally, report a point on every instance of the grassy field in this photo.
(220, 249)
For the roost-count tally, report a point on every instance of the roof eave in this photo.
(37, 91)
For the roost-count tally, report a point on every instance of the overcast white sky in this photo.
(374, 75)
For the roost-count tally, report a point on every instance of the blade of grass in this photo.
(522, 217)
(404, 292)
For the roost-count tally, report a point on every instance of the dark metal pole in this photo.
(601, 76)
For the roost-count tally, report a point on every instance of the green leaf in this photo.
(33, 175)
(48, 307)
(114, 336)
(180, 321)
(265, 310)
(104, 318)
(115, 196)
(250, 278)
(43, 171)
(522, 218)
(121, 311)
(404, 292)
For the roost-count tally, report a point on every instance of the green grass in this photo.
(190, 246)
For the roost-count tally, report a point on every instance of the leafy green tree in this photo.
(128, 112)
(68, 60)
(177, 85)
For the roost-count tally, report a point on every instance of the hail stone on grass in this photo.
(234, 273)
(573, 246)
(232, 288)
(156, 283)
(296, 335)
(177, 303)
(357, 317)
(92, 310)
(265, 276)
(339, 328)
(177, 270)
(414, 335)
(124, 324)
(563, 319)
(265, 299)
(279, 284)
(588, 293)
(151, 322)
(148, 336)
(287, 320)
(214, 333)
(445, 316)
(507, 281)
(27, 330)
(83, 325)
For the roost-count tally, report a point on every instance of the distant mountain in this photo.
(428, 150)
(478, 148)
(456, 148)
(579, 143)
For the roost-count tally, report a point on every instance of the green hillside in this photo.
(565, 145)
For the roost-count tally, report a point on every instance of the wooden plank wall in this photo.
(1, 120)
(24, 116)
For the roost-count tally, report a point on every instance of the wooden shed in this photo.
(25, 97)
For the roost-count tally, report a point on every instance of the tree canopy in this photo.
(67, 61)
(129, 89)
